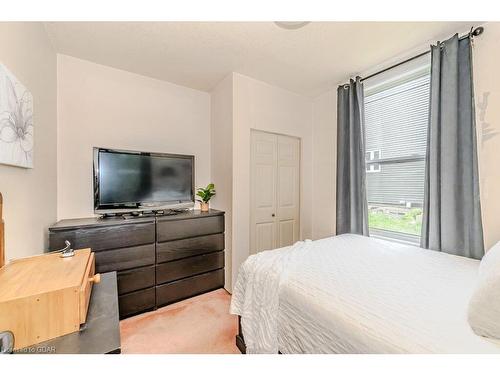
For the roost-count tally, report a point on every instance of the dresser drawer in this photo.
(104, 238)
(125, 258)
(179, 269)
(169, 230)
(185, 288)
(136, 302)
(135, 279)
(171, 250)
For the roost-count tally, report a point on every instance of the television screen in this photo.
(129, 179)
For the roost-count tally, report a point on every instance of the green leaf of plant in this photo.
(206, 193)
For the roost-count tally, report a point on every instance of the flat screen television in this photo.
(127, 181)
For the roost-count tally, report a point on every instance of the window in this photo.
(396, 121)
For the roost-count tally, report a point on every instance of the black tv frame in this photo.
(123, 208)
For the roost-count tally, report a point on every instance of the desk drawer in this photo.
(169, 230)
(135, 279)
(125, 258)
(105, 238)
(179, 269)
(136, 302)
(172, 250)
(185, 288)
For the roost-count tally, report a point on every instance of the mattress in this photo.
(355, 294)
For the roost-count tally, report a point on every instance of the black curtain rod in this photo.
(476, 32)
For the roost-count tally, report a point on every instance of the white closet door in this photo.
(287, 212)
(274, 180)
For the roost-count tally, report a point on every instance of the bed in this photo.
(354, 294)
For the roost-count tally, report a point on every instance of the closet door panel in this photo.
(287, 229)
(265, 236)
(288, 190)
(263, 233)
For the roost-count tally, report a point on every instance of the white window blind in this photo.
(396, 121)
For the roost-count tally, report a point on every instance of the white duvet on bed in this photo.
(354, 294)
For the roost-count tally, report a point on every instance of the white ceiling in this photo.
(307, 61)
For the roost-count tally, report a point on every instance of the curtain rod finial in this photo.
(478, 31)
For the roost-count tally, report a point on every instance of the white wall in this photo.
(487, 94)
(221, 143)
(107, 107)
(30, 195)
(324, 164)
(258, 105)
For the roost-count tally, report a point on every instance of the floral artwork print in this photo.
(16, 121)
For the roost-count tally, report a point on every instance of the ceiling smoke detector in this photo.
(292, 25)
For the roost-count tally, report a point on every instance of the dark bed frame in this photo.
(240, 341)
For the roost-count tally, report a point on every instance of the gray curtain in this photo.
(452, 211)
(352, 208)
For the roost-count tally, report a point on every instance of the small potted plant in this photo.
(205, 195)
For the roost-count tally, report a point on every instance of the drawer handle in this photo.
(96, 279)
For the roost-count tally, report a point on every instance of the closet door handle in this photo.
(273, 215)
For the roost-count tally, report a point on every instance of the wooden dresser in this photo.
(158, 260)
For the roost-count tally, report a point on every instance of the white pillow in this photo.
(484, 305)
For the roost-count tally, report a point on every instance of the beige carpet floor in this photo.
(198, 325)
